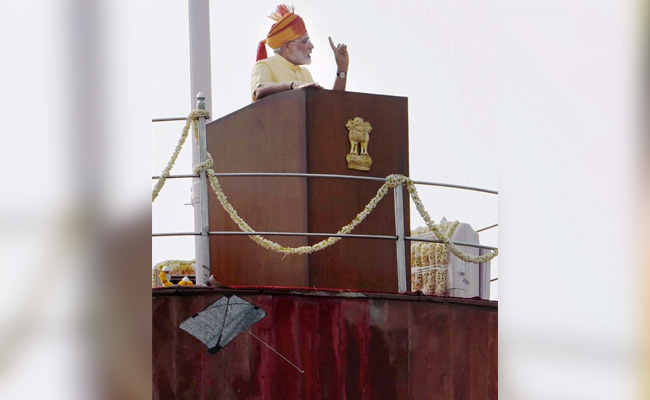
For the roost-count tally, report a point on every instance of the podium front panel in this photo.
(359, 264)
(305, 131)
(267, 136)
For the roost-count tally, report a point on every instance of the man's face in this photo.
(298, 51)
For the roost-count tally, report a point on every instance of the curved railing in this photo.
(349, 235)
(400, 238)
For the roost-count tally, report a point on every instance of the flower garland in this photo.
(191, 120)
(164, 278)
(429, 261)
(440, 235)
(392, 181)
(177, 267)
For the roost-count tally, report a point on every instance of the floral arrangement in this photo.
(429, 261)
(164, 277)
(163, 269)
(185, 282)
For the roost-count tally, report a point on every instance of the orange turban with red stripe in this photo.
(289, 26)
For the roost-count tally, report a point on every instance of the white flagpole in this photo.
(200, 82)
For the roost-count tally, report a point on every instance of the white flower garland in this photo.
(429, 261)
(436, 230)
(191, 120)
(271, 245)
(392, 181)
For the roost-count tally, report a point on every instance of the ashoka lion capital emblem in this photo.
(359, 136)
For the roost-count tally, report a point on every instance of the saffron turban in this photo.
(288, 27)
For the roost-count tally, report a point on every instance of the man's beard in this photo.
(298, 58)
(306, 59)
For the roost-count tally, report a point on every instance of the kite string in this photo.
(275, 351)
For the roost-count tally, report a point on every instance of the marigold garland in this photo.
(164, 280)
(171, 267)
(177, 267)
(392, 181)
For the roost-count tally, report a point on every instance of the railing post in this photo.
(483, 278)
(401, 245)
(203, 259)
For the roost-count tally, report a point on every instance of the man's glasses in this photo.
(304, 41)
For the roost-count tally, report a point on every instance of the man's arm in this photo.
(342, 60)
(265, 89)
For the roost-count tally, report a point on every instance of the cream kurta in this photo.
(276, 69)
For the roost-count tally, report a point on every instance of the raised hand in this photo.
(341, 55)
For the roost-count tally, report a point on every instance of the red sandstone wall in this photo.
(378, 347)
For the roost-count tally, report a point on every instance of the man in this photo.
(290, 42)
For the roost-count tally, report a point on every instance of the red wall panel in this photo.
(349, 345)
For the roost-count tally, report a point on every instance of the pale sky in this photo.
(443, 60)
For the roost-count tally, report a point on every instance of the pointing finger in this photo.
(332, 43)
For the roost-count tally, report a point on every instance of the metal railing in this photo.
(169, 119)
(399, 236)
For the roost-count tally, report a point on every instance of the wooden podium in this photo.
(305, 131)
